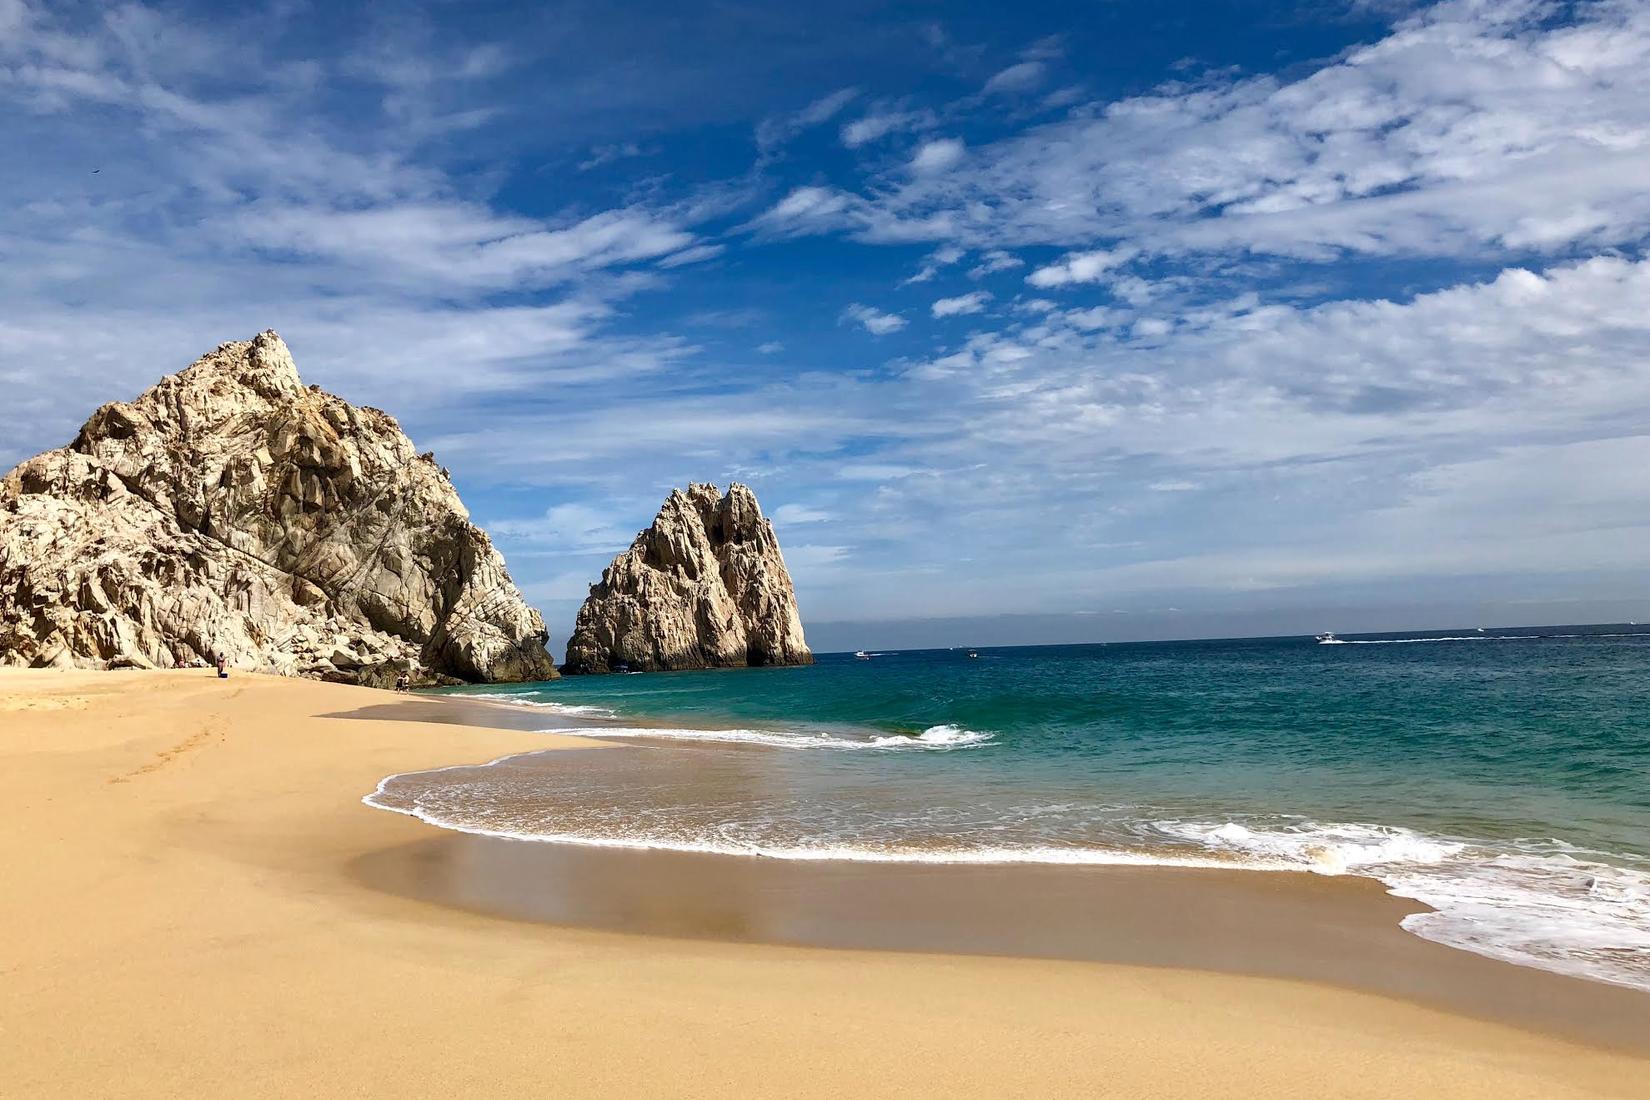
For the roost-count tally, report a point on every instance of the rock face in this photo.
(231, 511)
(704, 587)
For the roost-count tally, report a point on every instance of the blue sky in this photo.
(1059, 320)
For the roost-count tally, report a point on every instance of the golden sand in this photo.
(181, 916)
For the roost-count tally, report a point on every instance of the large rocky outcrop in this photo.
(231, 511)
(704, 587)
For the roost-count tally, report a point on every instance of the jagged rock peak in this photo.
(232, 511)
(704, 587)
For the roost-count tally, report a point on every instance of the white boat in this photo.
(861, 655)
(1328, 638)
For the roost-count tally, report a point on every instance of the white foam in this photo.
(931, 739)
(936, 737)
(1536, 903)
(572, 710)
(1539, 903)
(808, 853)
(1326, 849)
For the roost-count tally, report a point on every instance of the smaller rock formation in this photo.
(704, 587)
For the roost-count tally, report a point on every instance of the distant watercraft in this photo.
(971, 653)
(860, 654)
(1328, 638)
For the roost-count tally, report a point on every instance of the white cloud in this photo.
(776, 130)
(570, 587)
(571, 528)
(962, 304)
(1080, 267)
(601, 155)
(806, 557)
(874, 471)
(1017, 78)
(697, 254)
(1471, 126)
(1095, 317)
(805, 209)
(879, 124)
(993, 261)
(937, 156)
(1310, 420)
(944, 256)
(226, 203)
(872, 320)
(450, 245)
(797, 514)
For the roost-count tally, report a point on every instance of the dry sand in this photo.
(184, 913)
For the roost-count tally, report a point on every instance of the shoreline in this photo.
(714, 805)
(1284, 925)
(186, 859)
(1340, 930)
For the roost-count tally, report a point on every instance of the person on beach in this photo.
(223, 668)
(403, 682)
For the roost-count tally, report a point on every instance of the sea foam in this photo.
(1539, 903)
(931, 739)
(519, 699)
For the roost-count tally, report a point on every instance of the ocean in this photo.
(1501, 777)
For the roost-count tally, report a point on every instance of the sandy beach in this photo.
(197, 903)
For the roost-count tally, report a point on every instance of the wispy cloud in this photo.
(1471, 126)
(879, 124)
(1080, 267)
(1017, 78)
(571, 528)
(937, 156)
(973, 302)
(776, 130)
(873, 320)
(602, 155)
(789, 515)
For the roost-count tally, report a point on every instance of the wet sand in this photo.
(1341, 931)
(197, 903)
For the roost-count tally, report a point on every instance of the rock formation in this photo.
(231, 511)
(704, 587)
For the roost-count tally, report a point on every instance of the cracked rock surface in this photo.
(232, 511)
(704, 587)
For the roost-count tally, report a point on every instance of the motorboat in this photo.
(1328, 638)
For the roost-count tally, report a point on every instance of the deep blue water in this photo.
(1502, 777)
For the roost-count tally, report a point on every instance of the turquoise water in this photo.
(1503, 777)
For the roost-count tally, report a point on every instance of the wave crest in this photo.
(934, 738)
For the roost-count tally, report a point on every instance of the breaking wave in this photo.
(518, 699)
(1540, 903)
(931, 739)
